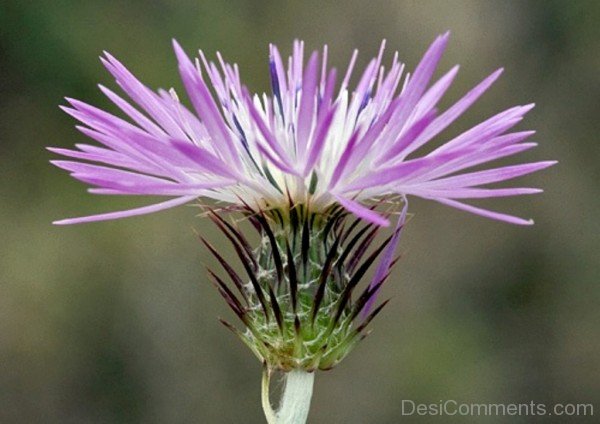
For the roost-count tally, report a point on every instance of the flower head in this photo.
(313, 141)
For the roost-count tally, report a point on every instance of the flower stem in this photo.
(266, 403)
(295, 401)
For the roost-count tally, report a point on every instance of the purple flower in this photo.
(313, 141)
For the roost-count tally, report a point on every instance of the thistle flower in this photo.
(303, 142)
(316, 168)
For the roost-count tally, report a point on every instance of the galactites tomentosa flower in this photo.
(316, 167)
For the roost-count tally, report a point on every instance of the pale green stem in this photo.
(295, 401)
(266, 403)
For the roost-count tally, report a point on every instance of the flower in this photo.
(309, 166)
(307, 143)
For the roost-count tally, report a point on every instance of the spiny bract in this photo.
(300, 304)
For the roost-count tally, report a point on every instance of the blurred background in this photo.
(116, 323)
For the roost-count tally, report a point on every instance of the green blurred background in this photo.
(115, 322)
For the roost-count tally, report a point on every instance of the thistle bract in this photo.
(301, 305)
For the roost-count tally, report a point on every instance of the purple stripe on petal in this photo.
(155, 189)
(361, 95)
(508, 139)
(85, 172)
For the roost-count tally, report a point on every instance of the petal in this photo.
(488, 176)
(205, 105)
(362, 211)
(434, 94)
(401, 172)
(470, 160)
(319, 141)
(484, 212)
(474, 193)
(127, 213)
(450, 115)
(383, 268)
(142, 95)
(134, 114)
(307, 105)
(418, 82)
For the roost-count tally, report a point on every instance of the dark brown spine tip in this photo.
(370, 317)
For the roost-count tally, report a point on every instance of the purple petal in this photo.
(372, 135)
(386, 259)
(476, 158)
(406, 138)
(450, 115)
(179, 189)
(421, 77)
(474, 193)
(142, 95)
(489, 176)
(484, 212)
(486, 130)
(205, 159)
(340, 167)
(434, 94)
(349, 70)
(127, 213)
(204, 104)
(319, 141)
(272, 142)
(307, 104)
(138, 117)
(100, 175)
(275, 161)
(401, 172)
(362, 211)
(105, 156)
